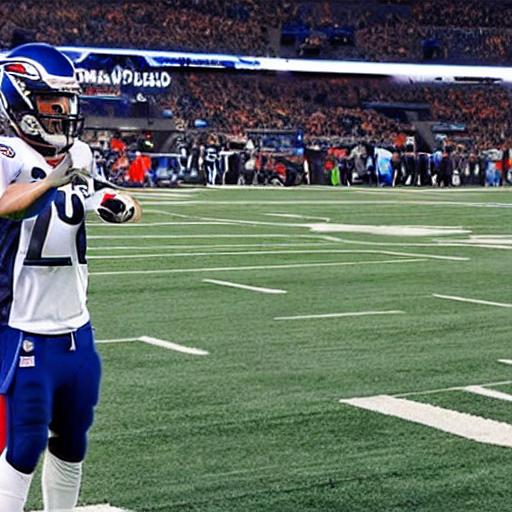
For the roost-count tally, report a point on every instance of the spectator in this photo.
(139, 170)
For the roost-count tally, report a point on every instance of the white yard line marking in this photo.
(255, 267)
(472, 301)
(453, 388)
(350, 203)
(464, 425)
(294, 216)
(436, 243)
(505, 361)
(204, 246)
(326, 227)
(445, 390)
(339, 315)
(245, 287)
(153, 224)
(173, 346)
(492, 393)
(117, 340)
(386, 230)
(420, 255)
(261, 252)
(169, 345)
(99, 508)
(261, 235)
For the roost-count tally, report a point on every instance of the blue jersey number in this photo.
(34, 256)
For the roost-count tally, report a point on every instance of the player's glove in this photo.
(118, 208)
(64, 172)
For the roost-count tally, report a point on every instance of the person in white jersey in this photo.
(49, 368)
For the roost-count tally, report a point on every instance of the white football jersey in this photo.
(43, 270)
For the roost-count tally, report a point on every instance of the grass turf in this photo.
(256, 425)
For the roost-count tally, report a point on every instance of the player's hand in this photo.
(118, 208)
(64, 172)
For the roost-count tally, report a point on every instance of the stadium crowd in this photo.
(322, 107)
(328, 107)
(386, 30)
(199, 25)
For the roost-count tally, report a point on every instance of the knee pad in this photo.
(69, 448)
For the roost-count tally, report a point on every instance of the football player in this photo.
(49, 368)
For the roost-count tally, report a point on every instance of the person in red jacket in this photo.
(139, 169)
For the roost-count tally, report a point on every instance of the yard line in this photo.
(220, 235)
(169, 345)
(152, 224)
(444, 390)
(117, 340)
(203, 246)
(431, 256)
(326, 227)
(99, 508)
(453, 388)
(472, 301)
(492, 393)
(351, 203)
(339, 315)
(263, 252)
(437, 243)
(245, 287)
(464, 425)
(254, 267)
(173, 346)
(505, 361)
(294, 216)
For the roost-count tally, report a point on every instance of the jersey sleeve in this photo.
(10, 170)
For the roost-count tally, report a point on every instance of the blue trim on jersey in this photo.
(9, 242)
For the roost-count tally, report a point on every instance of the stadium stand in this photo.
(372, 30)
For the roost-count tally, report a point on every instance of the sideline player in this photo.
(49, 368)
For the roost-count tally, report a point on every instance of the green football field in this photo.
(397, 301)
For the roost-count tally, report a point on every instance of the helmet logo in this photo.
(16, 68)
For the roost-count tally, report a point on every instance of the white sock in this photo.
(14, 487)
(61, 483)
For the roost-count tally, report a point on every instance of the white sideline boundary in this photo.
(339, 315)
(464, 425)
(255, 267)
(505, 361)
(472, 301)
(99, 508)
(169, 345)
(491, 393)
(245, 286)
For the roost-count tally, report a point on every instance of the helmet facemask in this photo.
(52, 125)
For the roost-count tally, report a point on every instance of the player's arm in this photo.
(22, 200)
(18, 198)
